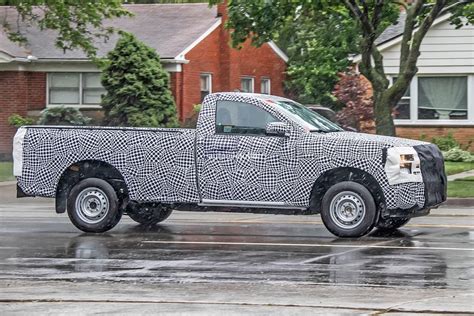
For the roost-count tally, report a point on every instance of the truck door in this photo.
(238, 164)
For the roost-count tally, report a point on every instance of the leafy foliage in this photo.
(17, 120)
(263, 20)
(316, 56)
(351, 90)
(458, 155)
(78, 23)
(191, 121)
(137, 86)
(62, 116)
(445, 143)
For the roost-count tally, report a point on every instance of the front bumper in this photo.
(434, 184)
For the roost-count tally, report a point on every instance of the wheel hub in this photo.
(92, 205)
(347, 209)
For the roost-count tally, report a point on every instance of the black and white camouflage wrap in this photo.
(188, 166)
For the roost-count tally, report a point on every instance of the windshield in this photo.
(310, 120)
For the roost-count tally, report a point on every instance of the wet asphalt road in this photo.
(216, 263)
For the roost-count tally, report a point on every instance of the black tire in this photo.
(93, 206)
(389, 224)
(350, 201)
(148, 213)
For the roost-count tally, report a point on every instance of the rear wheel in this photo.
(348, 210)
(93, 206)
(391, 223)
(148, 213)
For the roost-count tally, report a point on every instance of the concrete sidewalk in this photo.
(461, 175)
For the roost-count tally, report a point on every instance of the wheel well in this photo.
(89, 169)
(333, 176)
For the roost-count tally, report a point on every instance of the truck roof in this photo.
(260, 96)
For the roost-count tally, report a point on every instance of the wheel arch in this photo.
(89, 169)
(336, 175)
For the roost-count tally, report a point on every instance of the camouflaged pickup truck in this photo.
(248, 153)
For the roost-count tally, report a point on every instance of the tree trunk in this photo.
(383, 114)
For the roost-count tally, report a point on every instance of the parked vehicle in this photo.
(329, 114)
(249, 153)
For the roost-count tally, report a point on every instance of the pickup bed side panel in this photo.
(156, 164)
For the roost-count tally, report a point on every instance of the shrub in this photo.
(191, 121)
(445, 143)
(137, 86)
(358, 112)
(17, 120)
(458, 155)
(62, 116)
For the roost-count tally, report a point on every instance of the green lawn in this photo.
(6, 171)
(457, 167)
(461, 188)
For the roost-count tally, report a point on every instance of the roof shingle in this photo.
(169, 28)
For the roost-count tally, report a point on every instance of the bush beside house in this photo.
(137, 86)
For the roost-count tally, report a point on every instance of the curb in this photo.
(459, 202)
(7, 183)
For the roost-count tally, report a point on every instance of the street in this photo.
(216, 263)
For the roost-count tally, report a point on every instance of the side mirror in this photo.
(278, 129)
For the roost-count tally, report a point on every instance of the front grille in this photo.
(434, 177)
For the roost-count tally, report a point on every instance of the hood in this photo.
(385, 141)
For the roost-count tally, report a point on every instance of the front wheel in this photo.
(348, 210)
(93, 206)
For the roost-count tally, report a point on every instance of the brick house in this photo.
(440, 99)
(190, 38)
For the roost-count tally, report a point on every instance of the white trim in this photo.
(18, 151)
(253, 83)
(79, 105)
(262, 79)
(181, 55)
(278, 51)
(5, 58)
(398, 39)
(414, 121)
(438, 123)
(470, 98)
(209, 76)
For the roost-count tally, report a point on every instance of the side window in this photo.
(241, 118)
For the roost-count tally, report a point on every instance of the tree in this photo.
(316, 56)
(263, 20)
(137, 86)
(353, 92)
(78, 23)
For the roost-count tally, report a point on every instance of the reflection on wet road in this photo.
(215, 252)
(431, 253)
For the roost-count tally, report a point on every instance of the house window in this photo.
(74, 88)
(265, 86)
(442, 98)
(64, 88)
(206, 85)
(92, 89)
(402, 110)
(247, 84)
(437, 100)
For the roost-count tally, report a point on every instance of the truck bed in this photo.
(157, 164)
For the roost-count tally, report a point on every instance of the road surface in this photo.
(216, 263)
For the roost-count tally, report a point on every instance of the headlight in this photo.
(402, 165)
